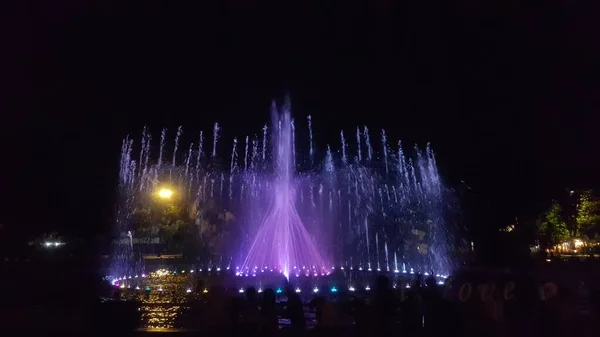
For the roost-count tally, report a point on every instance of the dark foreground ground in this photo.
(545, 299)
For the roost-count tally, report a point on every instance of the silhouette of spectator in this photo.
(384, 307)
(361, 316)
(412, 317)
(268, 313)
(295, 311)
(217, 309)
(250, 313)
(433, 306)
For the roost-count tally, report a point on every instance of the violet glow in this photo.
(281, 239)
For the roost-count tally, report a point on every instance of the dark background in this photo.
(506, 91)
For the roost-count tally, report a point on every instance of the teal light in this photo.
(279, 291)
(334, 289)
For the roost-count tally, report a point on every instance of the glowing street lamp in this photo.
(165, 193)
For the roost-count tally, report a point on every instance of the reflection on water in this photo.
(160, 316)
(176, 300)
(164, 299)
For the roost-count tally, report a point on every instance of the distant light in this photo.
(137, 288)
(333, 289)
(298, 290)
(441, 282)
(279, 291)
(147, 288)
(218, 269)
(205, 290)
(315, 290)
(188, 290)
(165, 193)
(351, 288)
(396, 271)
(50, 244)
(367, 288)
(241, 291)
(260, 290)
(160, 289)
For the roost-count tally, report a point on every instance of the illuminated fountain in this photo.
(291, 209)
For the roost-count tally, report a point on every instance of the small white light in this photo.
(367, 288)
(315, 290)
(298, 290)
(241, 291)
(188, 290)
(351, 288)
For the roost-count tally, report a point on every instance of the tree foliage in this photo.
(552, 227)
(213, 228)
(588, 214)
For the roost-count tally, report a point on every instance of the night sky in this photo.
(507, 94)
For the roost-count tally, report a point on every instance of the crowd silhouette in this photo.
(423, 312)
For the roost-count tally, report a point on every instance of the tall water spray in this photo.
(282, 241)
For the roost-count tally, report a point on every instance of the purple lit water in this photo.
(282, 240)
